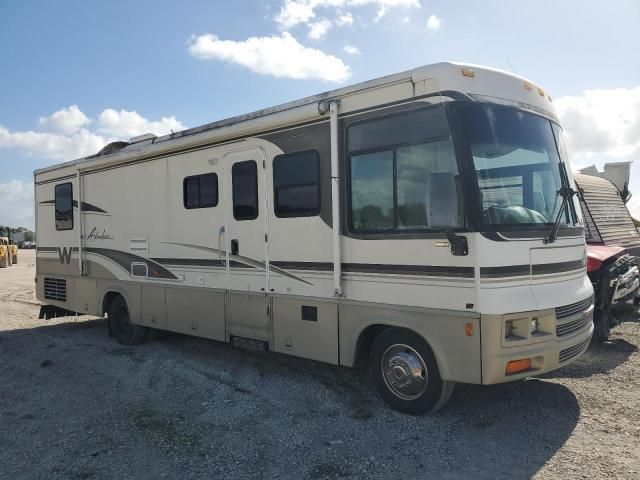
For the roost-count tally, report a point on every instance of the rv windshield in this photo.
(515, 159)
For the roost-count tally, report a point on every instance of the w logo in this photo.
(65, 254)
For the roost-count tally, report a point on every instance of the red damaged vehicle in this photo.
(613, 249)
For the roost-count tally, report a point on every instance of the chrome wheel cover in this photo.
(404, 371)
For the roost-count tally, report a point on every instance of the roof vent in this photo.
(141, 138)
(112, 147)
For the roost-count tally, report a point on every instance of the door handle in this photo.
(235, 247)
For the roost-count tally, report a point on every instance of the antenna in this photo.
(511, 66)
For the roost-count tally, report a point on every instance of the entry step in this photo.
(249, 344)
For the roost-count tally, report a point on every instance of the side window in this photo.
(296, 184)
(244, 180)
(64, 206)
(396, 164)
(200, 191)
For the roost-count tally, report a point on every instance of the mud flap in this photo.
(50, 311)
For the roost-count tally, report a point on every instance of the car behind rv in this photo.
(422, 225)
(613, 248)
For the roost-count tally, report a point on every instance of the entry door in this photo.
(246, 246)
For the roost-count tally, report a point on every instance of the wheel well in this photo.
(365, 341)
(106, 301)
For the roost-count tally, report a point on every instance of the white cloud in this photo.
(351, 50)
(66, 121)
(295, 12)
(280, 56)
(16, 198)
(344, 19)
(319, 29)
(603, 125)
(124, 124)
(385, 6)
(52, 145)
(434, 22)
(602, 121)
(67, 140)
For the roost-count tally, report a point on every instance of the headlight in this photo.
(535, 325)
(508, 329)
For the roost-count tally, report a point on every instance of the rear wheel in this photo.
(120, 324)
(14, 260)
(405, 372)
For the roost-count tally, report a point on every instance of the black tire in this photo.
(601, 328)
(14, 260)
(394, 353)
(120, 324)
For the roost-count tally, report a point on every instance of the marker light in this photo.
(468, 329)
(467, 72)
(517, 366)
(540, 92)
(528, 86)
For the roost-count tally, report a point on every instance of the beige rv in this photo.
(421, 225)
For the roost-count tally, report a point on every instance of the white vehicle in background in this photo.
(422, 225)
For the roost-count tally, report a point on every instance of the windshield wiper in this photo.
(566, 192)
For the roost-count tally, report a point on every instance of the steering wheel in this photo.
(496, 214)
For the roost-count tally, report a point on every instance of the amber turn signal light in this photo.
(467, 72)
(468, 329)
(517, 366)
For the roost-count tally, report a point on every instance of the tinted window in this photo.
(391, 163)
(244, 179)
(411, 127)
(64, 206)
(296, 184)
(372, 191)
(200, 191)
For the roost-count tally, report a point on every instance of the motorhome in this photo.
(421, 225)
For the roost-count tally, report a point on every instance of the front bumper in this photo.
(547, 351)
(626, 284)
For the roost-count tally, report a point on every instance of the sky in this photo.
(78, 74)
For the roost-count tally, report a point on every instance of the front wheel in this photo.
(120, 324)
(405, 372)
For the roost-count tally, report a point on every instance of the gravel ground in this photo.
(75, 404)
